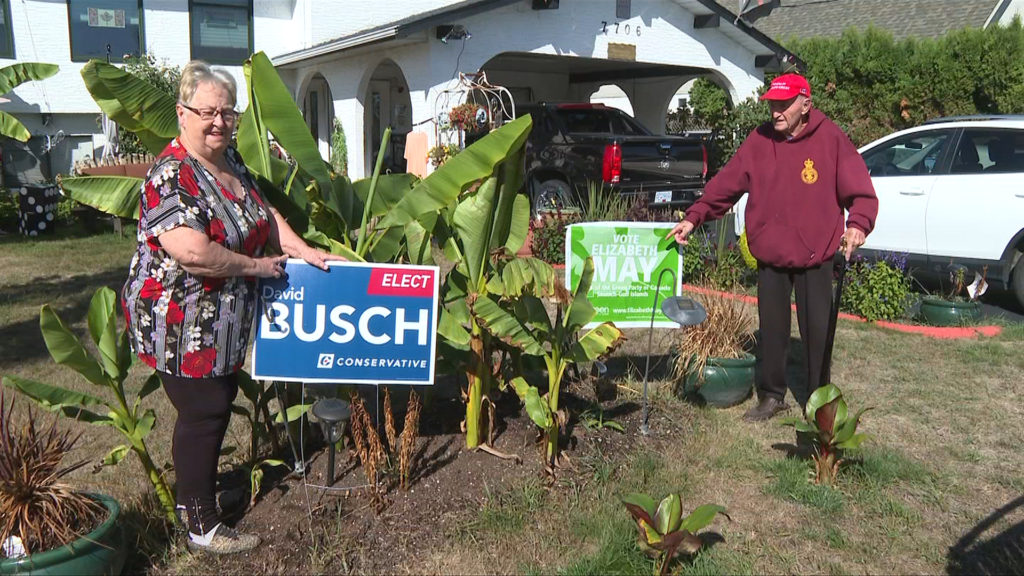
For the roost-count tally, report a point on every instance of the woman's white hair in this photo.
(198, 72)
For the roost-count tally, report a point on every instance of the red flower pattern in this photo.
(151, 289)
(187, 179)
(215, 230)
(174, 313)
(257, 238)
(147, 359)
(199, 363)
(152, 196)
(213, 284)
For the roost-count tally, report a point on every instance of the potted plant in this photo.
(468, 117)
(958, 306)
(46, 526)
(712, 358)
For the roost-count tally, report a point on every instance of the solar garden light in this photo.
(332, 413)
(681, 310)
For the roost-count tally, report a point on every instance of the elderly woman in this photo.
(190, 298)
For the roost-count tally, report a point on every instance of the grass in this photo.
(944, 455)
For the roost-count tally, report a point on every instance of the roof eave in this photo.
(782, 53)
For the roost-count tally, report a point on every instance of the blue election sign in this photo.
(356, 323)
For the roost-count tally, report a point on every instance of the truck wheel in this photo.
(1017, 283)
(552, 195)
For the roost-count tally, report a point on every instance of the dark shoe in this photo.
(766, 408)
(225, 540)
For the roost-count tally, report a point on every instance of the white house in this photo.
(373, 63)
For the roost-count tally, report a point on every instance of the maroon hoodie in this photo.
(798, 189)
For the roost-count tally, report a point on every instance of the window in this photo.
(97, 25)
(914, 154)
(221, 30)
(6, 36)
(998, 150)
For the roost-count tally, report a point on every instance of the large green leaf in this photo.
(854, 441)
(391, 188)
(642, 503)
(535, 406)
(523, 275)
(252, 141)
(519, 224)
(133, 103)
(103, 328)
(819, 398)
(505, 326)
(449, 328)
(600, 341)
(16, 74)
(283, 119)
(510, 181)
(418, 243)
(475, 163)
(12, 128)
(115, 195)
(800, 424)
(472, 222)
(669, 514)
(116, 454)
(66, 349)
(580, 311)
(50, 397)
(153, 383)
(144, 425)
(701, 517)
(848, 427)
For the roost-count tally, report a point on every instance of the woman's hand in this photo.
(317, 258)
(270, 266)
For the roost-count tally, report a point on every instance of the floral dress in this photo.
(179, 323)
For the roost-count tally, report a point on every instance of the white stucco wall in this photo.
(575, 29)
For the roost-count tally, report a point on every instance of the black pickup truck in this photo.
(572, 145)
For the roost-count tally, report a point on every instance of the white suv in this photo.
(952, 191)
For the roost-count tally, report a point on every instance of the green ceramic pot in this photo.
(726, 382)
(100, 552)
(939, 312)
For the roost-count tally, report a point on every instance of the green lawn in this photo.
(944, 459)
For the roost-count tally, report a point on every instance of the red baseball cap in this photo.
(787, 86)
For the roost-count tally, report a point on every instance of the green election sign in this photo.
(628, 257)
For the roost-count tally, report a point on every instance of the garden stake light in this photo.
(685, 312)
(332, 414)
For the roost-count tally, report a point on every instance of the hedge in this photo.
(872, 85)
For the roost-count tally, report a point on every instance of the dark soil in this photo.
(307, 529)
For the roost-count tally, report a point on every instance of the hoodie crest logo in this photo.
(809, 175)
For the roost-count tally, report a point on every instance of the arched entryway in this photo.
(614, 96)
(318, 109)
(387, 103)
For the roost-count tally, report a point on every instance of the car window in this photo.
(585, 120)
(998, 150)
(913, 154)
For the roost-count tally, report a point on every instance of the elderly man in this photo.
(801, 172)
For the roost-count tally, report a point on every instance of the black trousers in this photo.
(204, 409)
(813, 308)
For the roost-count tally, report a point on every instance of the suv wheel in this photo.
(1017, 282)
(551, 196)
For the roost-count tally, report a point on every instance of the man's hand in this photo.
(681, 231)
(853, 238)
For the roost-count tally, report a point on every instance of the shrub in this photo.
(877, 290)
(161, 75)
(548, 242)
(339, 149)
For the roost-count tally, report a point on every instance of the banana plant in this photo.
(10, 78)
(113, 407)
(663, 531)
(524, 324)
(827, 417)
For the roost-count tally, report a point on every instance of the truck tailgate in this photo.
(662, 161)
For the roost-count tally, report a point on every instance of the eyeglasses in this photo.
(229, 115)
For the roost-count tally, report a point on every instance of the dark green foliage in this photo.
(161, 75)
(8, 210)
(548, 242)
(877, 290)
(872, 85)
